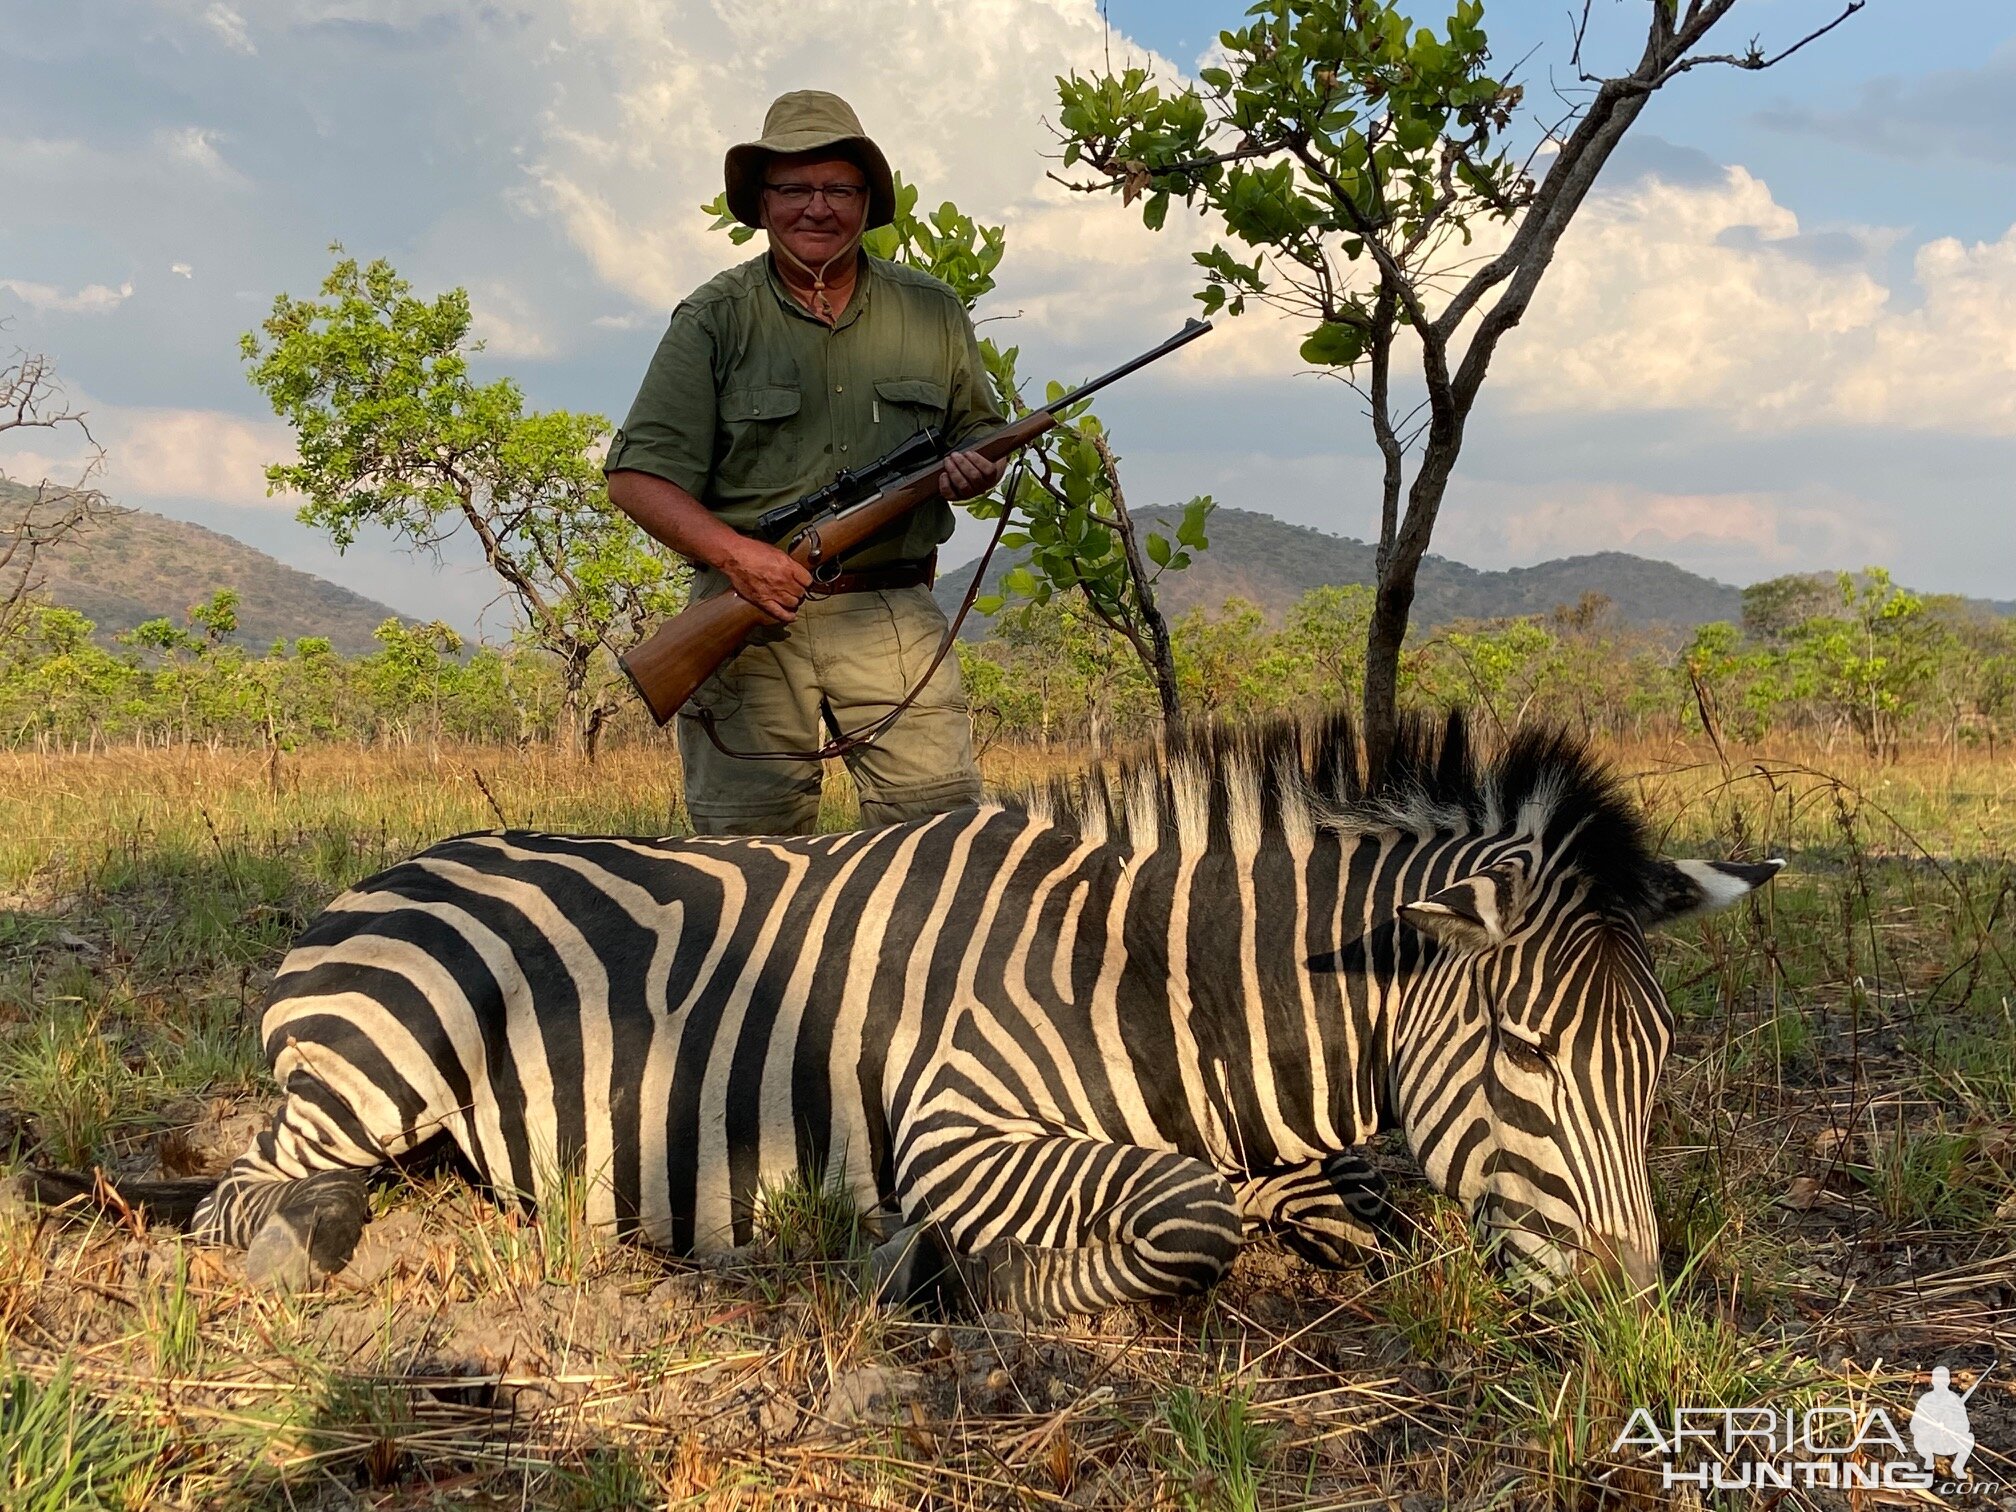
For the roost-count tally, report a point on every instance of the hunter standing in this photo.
(771, 378)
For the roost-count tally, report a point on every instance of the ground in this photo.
(1833, 1158)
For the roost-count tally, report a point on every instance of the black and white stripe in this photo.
(1089, 1037)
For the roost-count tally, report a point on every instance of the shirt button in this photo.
(839, 388)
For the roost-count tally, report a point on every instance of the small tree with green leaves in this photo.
(393, 431)
(1871, 663)
(1352, 157)
(1076, 533)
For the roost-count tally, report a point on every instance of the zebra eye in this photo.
(1524, 1053)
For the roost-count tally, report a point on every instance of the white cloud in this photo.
(197, 147)
(955, 91)
(506, 323)
(92, 299)
(154, 454)
(1742, 534)
(1709, 298)
(230, 28)
(182, 270)
(192, 454)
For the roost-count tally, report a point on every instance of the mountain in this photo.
(135, 566)
(1273, 563)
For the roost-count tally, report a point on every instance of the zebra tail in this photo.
(168, 1204)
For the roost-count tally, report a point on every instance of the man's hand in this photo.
(968, 474)
(771, 579)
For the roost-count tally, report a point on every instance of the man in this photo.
(772, 377)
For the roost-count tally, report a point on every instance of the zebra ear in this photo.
(1473, 913)
(1683, 889)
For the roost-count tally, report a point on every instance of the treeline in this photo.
(1851, 658)
(1848, 657)
(193, 684)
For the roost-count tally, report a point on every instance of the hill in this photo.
(136, 566)
(1273, 563)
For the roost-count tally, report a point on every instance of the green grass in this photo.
(1845, 1039)
(802, 1219)
(61, 1452)
(1214, 1449)
(67, 1072)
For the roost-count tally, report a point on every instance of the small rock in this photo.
(870, 1392)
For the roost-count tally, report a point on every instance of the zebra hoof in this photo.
(916, 1268)
(276, 1259)
(312, 1234)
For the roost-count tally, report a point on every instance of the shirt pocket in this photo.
(762, 448)
(905, 406)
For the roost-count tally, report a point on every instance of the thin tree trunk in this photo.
(1162, 658)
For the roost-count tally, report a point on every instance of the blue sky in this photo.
(1782, 339)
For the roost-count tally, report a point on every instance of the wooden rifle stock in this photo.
(670, 664)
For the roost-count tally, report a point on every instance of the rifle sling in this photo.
(866, 735)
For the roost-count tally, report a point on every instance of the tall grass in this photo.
(1841, 1110)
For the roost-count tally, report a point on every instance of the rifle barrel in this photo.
(1192, 329)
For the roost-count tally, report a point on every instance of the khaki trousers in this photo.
(844, 663)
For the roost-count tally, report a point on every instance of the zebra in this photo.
(1078, 1045)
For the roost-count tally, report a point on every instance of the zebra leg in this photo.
(1057, 1224)
(1331, 1212)
(295, 1202)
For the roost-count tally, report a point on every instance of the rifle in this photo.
(822, 528)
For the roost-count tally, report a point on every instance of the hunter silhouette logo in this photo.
(1939, 1427)
(1825, 1446)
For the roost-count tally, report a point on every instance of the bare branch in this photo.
(1753, 58)
(34, 517)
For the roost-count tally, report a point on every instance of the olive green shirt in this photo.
(751, 402)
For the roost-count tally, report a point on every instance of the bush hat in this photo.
(807, 120)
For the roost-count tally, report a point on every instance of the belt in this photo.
(881, 579)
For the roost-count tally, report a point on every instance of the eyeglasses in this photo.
(798, 196)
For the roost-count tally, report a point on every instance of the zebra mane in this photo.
(1227, 786)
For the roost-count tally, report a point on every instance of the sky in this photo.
(1781, 335)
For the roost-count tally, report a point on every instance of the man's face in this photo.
(814, 205)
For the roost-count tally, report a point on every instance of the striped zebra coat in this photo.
(1083, 1042)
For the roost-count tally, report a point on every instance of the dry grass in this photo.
(1835, 1153)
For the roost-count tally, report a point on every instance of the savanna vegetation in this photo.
(1835, 1159)
(1852, 661)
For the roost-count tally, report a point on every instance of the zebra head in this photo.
(1547, 1029)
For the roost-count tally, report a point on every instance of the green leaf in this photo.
(1334, 344)
(1020, 582)
(1158, 550)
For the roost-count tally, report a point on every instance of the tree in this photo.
(1077, 530)
(1328, 626)
(1871, 664)
(36, 516)
(1776, 607)
(393, 431)
(1350, 153)
(408, 674)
